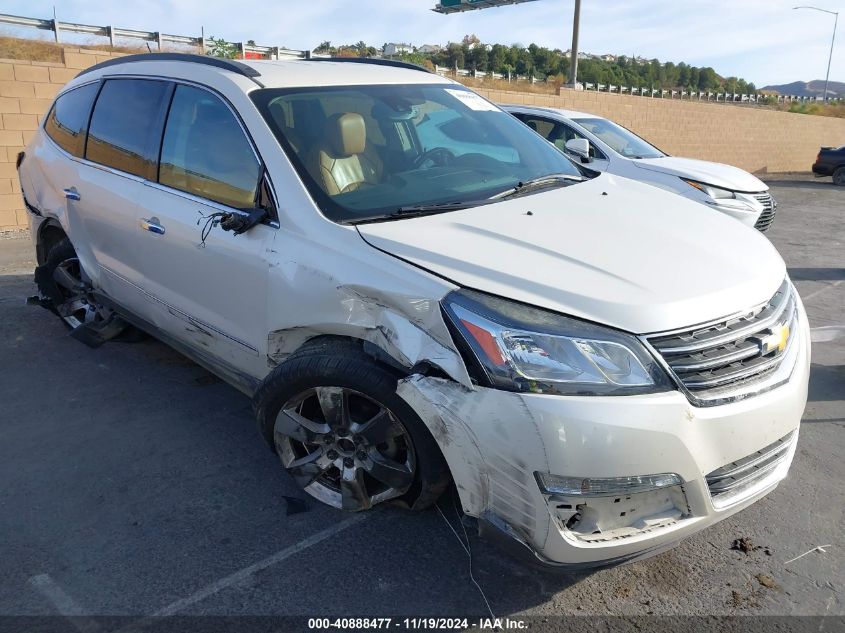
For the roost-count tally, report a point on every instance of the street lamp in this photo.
(573, 64)
(832, 40)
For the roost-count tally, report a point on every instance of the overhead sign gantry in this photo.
(458, 6)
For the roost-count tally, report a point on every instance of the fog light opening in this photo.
(610, 508)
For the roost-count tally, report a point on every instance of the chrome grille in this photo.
(714, 360)
(731, 480)
(770, 207)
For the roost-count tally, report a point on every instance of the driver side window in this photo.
(558, 133)
(565, 133)
(206, 153)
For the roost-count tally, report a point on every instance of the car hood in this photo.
(716, 174)
(610, 250)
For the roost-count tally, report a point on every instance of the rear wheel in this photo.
(332, 415)
(62, 281)
(839, 177)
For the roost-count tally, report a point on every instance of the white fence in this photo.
(724, 97)
(200, 43)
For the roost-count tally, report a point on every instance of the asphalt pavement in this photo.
(133, 482)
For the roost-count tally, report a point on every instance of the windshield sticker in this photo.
(473, 101)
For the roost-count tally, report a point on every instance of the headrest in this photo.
(347, 134)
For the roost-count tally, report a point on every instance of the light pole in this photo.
(573, 66)
(832, 40)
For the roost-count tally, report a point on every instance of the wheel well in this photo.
(49, 234)
(331, 343)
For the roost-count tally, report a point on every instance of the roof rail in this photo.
(369, 60)
(225, 64)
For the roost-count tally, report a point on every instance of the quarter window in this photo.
(67, 120)
(123, 127)
(206, 153)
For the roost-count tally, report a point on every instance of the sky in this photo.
(763, 41)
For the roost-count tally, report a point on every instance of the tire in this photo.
(76, 305)
(371, 449)
(839, 177)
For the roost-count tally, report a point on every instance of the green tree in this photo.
(707, 79)
(221, 48)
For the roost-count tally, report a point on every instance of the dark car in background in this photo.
(831, 162)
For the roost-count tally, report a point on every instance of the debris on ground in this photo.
(743, 544)
(746, 545)
(817, 548)
(766, 581)
(738, 600)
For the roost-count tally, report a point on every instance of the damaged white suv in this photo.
(415, 288)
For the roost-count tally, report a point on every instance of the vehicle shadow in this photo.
(822, 183)
(826, 383)
(817, 274)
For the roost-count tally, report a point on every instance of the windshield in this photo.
(619, 139)
(364, 152)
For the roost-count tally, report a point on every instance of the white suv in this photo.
(408, 306)
(607, 146)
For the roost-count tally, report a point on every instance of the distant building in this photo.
(397, 49)
(429, 49)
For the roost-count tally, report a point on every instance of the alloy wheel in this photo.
(78, 307)
(344, 448)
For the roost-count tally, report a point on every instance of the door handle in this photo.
(152, 226)
(72, 194)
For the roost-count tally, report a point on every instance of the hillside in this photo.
(813, 88)
(552, 65)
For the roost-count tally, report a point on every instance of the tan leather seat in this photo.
(342, 160)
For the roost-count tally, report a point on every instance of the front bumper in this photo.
(495, 441)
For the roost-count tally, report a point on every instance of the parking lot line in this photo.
(825, 288)
(63, 603)
(246, 572)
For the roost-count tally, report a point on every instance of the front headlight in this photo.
(521, 348)
(717, 193)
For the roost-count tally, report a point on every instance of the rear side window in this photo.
(67, 120)
(124, 127)
(206, 153)
(543, 127)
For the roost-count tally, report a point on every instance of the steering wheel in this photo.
(440, 156)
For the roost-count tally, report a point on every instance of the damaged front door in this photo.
(208, 286)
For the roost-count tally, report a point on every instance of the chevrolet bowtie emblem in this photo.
(777, 340)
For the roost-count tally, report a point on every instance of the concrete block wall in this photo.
(756, 139)
(26, 91)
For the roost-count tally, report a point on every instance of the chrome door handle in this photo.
(72, 194)
(152, 226)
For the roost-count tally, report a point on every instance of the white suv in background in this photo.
(409, 306)
(606, 146)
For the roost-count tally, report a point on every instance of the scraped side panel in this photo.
(358, 292)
